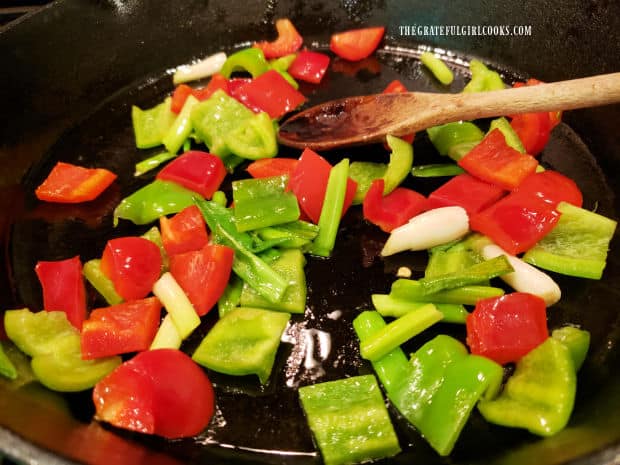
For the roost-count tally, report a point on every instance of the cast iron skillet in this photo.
(70, 74)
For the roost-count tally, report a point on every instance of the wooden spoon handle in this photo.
(564, 95)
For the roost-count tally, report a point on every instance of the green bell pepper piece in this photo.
(150, 126)
(539, 396)
(399, 331)
(483, 79)
(512, 138)
(7, 369)
(263, 202)
(154, 236)
(409, 289)
(437, 390)
(458, 151)
(254, 138)
(219, 197)
(104, 285)
(577, 245)
(243, 342)
(439, 69)
(576, 340)
(349, 420)
(290, 265)
(214, 118)
(250, 59)
(154, 200)
(54, 345)
(435, 170)
(388, 306)
(282, 63)
(333, 202)
(447, 136)
(180, 130)
(399, 167)
(364, 173)
(151, 163)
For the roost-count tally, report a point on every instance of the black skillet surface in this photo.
(69, 100)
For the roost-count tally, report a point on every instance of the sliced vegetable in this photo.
(309, 66)
(120, 329)
(63, 288)
(54, 345)
(389, 306)
(309, 183)
(393, 210)
(69, 183)
(349, 420)
(251, 60)
(200, 69)
(506, 328)
(203, 274)
(533, 130)
(465, 191)
(552, 187)
(364, 173)
(447, 136)
(167, 336)
(409, 289)
(268, 167)
(180, 130)
(231, 297)
(153, 201)
(577, 245)
(151, 125)
(184, 232)
(399, 167)
(516, 222)
(525, 278)
(288, 41)
(399, 331)
(133, 264)
(539, 396)
(144, 394)
(263, 202)
(356, 44)
(153, 162)
(243, 342)
(435, 170)
(270, 93)
(177, 304)
(493, 161)
(7, 369)
(197, 171)
(331, 212)
(576, 340)
(512, 138)
(482, 78)
(254, 138)
(437, 67)
(428, 229)
(289, 265)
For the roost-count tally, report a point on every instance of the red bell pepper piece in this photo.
(120, 329)
(270, 93)
(161, 392)
(465, 191)
(552, 187)
(268, 167)
(182, 91)
(493, 161)
(184, 232)
(198, 171)
(393, 210)
(309, 182)
(516, 222)
(203, 274)
(309, 66)
(356, 44)
(63, 288)
(397, 87)
(288, 41)
(133, 264)
(506, 328)
(69, 183)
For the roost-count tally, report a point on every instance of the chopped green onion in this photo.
(436, 170)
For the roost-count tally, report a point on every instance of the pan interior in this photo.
(266, 424)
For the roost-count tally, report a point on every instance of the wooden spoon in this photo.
(367, 119)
